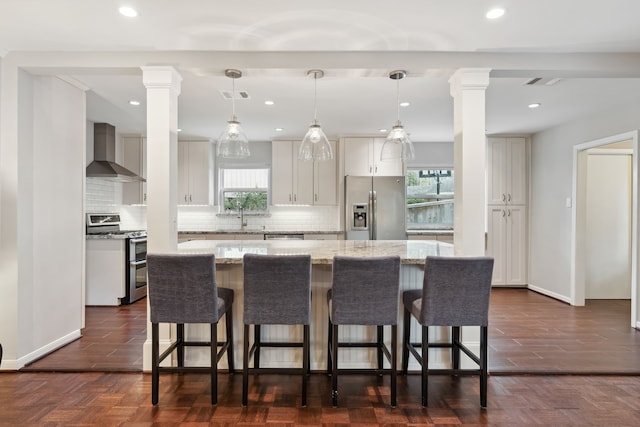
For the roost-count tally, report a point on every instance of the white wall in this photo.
(49, 232)
(551, 185)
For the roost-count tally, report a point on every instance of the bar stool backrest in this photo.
(277, 289)
(456, 291)
(365, 290)
(182, 288)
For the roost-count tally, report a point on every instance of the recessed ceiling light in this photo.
(279, 129)
(268, 102)
(134, 102)
(179, 130)
(495, 13)
(534, 105)
(128, 11)
(382, 130)
(405, 104)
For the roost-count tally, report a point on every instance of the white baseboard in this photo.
(548, 293)
(44, 350)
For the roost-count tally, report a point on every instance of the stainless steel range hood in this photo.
(104, 154)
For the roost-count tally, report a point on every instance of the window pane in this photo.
(245, 178)
(244, 188)
(252, 201)
(429, 199)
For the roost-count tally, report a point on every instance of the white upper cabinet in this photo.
(362, 158)
(134, 149)
(194, 173)
(298, 182)
(507, 171)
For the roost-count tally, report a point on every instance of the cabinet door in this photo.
(302, 177)
(516, 259)
(516, 171)
(199, 172)
(183, 173)
(281, 173)
(357, 156)
(325, 180)
(496, 242)
(388, 167)
(194, 173)
(496, 170)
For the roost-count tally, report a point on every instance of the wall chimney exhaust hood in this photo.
(104, 153)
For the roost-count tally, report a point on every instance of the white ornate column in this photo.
(468, 87)
(163, 88)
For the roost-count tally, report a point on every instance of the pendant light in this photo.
(233, 143)
(397, 145)
(315, 145)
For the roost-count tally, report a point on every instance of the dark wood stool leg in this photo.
(425, 364)
(256, 341)
(228, 320)
(214, 363)
(305, 366)
(483, 365)
(334, 366)
(380, 343)
(394, 363)
(180, 340)
(406, 336)
(455, 349)
(155, 356)
(329, 340)
(245, 366)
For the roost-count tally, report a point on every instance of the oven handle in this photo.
(140, 240)
(137, 263)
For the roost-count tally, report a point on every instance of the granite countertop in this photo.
(436, 231)
(321, 251)
(261, 231)
(106, 236)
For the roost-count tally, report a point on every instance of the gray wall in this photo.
(551, 185)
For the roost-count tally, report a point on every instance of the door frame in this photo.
(578, 220)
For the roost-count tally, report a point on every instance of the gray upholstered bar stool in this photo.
(183, 289)
(455, 293)
(364, 292)
(277, 291)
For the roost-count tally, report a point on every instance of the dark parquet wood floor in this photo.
(529, 333)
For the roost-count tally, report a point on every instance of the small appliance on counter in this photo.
(375, 207)
(116, 261)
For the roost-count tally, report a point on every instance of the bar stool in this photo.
(182, 289)
(455, 293)
(364, 292)
(277, 291)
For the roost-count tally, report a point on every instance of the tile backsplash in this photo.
(105, 196)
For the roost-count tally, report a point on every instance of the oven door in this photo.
(137, 271)
(137, 280)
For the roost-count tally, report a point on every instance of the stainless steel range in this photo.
(116, 261)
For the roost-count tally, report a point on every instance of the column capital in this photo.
(161, 76)
(469, 79)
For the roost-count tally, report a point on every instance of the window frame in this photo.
(221, 189)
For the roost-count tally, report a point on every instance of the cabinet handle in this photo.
(190, 200)
(509, 197)
(289, 197)
(376, 169)
(185, 197)
(503, 213)
(144, 197)
(295, 198)
(508, 212)
(504, 197)
(370, 169)
(316, 197)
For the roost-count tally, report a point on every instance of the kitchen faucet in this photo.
(243, 222)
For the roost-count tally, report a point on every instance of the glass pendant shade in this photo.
(232, 142)
(315, 145)
(397, 145)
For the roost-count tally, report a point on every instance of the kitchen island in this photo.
(229, 274)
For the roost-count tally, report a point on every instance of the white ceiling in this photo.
(593, 45)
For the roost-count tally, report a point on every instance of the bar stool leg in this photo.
(155, 361)
(406, 333)
(334, 366)
(455, 349)
(229, 329)
(245, 367)
(305, 366)
(425, 363)
(214, 363)
(394, 363)
(329, 341)
(180, 341)
(483, 366)
(380, 343)
(256, 342)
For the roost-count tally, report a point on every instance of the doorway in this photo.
(582, 276)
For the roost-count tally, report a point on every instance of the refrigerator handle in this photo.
(373, 212)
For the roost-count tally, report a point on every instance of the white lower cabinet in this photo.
(506, 242)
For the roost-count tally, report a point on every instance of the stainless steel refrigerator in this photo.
(375, 208)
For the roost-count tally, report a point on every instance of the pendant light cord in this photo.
(233, 99)
(315, 98)
(398, 97)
